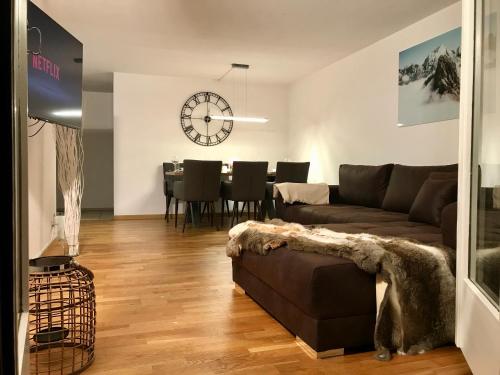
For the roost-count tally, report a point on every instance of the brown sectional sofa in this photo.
(388, 217)
(327, 301)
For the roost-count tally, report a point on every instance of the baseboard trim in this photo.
(318, 355)
(138, 217)
(97, 209)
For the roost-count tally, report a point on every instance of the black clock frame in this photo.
(206, 98)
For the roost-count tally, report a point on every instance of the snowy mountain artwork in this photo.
(429, 80)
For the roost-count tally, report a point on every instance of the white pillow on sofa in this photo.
(305, 193)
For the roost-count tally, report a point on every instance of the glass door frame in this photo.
(476, 138)
(14, 204)
(477, 319)
(7, 265)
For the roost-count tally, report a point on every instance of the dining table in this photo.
(224, 174)
(194, 217)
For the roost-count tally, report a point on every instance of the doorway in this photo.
(97, 141)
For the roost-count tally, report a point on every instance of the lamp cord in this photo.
(38, 131)
(225, 74)
(31, 125)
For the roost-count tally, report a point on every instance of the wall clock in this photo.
(197, 121)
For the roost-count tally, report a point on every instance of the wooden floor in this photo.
(166, 305)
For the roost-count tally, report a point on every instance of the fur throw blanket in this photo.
(417, 312)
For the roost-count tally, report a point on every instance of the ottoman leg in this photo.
(317, 355)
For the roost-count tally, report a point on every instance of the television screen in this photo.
(54, 71)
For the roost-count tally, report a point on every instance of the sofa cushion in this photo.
(322, 286)
(433, 196)
(364, 185)
(405, 183)
(449, 225)
(338, 213)
(444, 175)
(422, 232)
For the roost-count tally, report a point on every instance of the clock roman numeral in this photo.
(225, 109)
(213, 141)
(189, 129)
(197, 138)
(225, 131)
(196, 100)
(186, 117)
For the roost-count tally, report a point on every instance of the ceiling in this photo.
(282, 40)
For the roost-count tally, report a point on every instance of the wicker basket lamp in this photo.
(62, 313)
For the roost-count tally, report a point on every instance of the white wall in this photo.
(147, 131)
(347, 112)
(41, 188)
(344, 113)
(97, 110)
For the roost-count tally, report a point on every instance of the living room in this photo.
(254, 187)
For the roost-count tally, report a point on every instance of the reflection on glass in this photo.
(485, 199)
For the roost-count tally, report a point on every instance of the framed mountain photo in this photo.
(429, 80)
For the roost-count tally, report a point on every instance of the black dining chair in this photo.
(168, 188)
(286, 171)
(248, 185)
(201, 183)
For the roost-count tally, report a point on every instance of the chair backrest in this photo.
(249, 180)
(167, 167)
(292, 171)
(202, 180)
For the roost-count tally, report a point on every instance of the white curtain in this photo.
(70, 179)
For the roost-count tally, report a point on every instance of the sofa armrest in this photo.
(334, 194)
(449, 225)
(281, 205)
